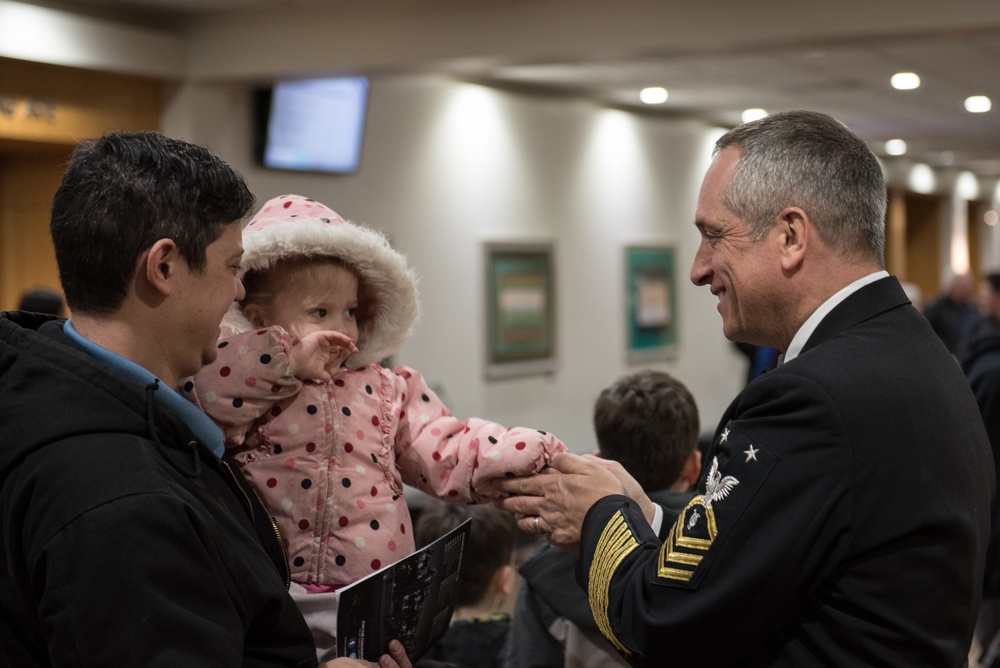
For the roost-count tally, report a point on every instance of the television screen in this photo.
(314, 124)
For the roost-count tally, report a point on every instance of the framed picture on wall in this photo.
(651, 299)
(520, 305)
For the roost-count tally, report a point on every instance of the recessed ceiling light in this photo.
(895, 147)
(967, 186)
(905, 81)
(753, 114)
(922, 179)
(991, 218)
(978, 104)
(653, 95)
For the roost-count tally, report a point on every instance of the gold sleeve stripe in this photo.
(676, 574)
(615, 543)
(683, 558)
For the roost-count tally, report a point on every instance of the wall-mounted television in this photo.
(314, 125)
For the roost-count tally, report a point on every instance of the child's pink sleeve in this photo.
(459, 461)
(249, 375)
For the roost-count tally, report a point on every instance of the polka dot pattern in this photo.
(323, 459)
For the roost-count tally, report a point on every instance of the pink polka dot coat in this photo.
(329, 459)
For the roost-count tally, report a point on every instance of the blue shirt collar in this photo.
(199, 422)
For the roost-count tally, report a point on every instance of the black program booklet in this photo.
(411, 600)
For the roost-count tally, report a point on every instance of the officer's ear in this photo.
(794, 232)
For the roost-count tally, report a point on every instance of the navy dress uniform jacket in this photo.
(842, 516)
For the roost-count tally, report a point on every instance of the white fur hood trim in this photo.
(382, 269)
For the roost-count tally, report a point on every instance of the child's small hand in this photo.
(318, 355)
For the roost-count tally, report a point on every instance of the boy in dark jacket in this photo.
(647, 422)
(481, 621)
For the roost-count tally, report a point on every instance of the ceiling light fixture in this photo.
(978, 104)
(922, 179)
(753, 114)
(905, 81)
(895, 147)
(653, 95)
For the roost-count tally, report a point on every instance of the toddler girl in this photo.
(325, 433)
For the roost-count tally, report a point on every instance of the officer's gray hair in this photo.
(812, 161)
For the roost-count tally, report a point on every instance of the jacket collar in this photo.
(871, 300)
(199, 422)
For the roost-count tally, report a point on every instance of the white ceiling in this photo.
(849, 81)
(847, 77)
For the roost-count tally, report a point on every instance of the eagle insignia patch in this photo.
(697, 528)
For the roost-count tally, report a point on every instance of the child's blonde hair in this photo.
(292, 230)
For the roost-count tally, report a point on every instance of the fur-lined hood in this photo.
(294, 226)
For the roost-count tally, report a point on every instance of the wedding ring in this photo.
(538, 529)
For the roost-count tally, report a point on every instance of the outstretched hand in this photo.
(318, 356)
(562, 495)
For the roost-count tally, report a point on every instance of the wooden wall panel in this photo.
(977, 210)
(923, 243)
(51, 104)
(27, 260)
(895, 235)
(44, 111)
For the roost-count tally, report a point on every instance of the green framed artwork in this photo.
(651, 298)
(520, 304)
